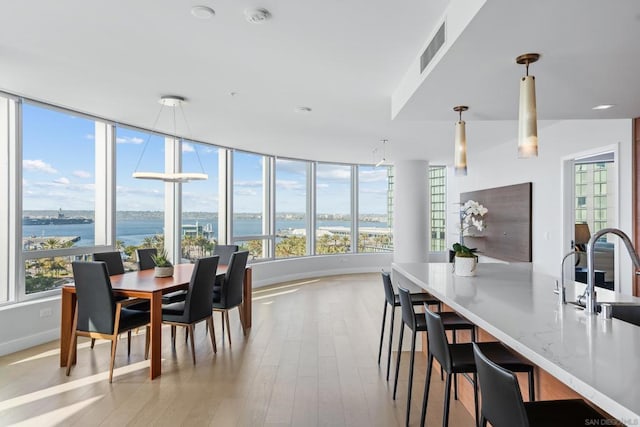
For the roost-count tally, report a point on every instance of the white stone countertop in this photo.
(598, 358)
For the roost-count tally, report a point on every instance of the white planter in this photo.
(465, 266)
(163, 271)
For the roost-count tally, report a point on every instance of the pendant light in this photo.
(527, 116)
(173, 102)
(460, 144)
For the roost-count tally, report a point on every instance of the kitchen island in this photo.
(597, 358)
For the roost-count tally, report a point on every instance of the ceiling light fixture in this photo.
(257, 16)
(527, 116)
(460, 143)
(172, 102)
(202, 12)
(384, 153)
(603, 106)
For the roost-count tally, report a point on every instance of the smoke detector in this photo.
(257, 16)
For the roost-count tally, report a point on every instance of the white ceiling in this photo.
(344, 59)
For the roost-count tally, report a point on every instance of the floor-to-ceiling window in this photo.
(291, 178)
(374, 227)
(139, 202)
(333, 208)
(250, 222)
(199, 228)
(58, 194)
(76, 196)
(437, 187)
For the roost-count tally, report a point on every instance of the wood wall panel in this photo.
(508, 222)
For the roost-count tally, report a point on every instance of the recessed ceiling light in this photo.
(603, 106)
(202, 12)
(303, 110)
(257, 16)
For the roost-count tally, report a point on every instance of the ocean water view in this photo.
(132, 231)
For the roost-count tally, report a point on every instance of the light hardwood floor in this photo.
(310, 359)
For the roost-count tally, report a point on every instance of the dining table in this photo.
(143, 284)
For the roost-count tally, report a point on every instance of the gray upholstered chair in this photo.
(113, 261)
(230, 295)
(225, 252)
(145, 261)
(98, 315)
(197, 305)
(114, 266)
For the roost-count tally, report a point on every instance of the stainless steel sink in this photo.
(625, 311)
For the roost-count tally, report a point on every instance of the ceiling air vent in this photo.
(432, 49)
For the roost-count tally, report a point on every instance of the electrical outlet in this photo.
(45, 312)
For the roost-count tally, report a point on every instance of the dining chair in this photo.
(197, 305)
(145, 261)
(459, 359)
(98, 315)
(392, 299)
(417, 323)
(502, 403)
(225, 252)
(114, 266)
(230, 294)
(113, 261)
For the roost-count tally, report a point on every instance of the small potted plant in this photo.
(465, 260)
(163, 268)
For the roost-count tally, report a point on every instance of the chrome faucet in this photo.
(591, 271)
(562, 295)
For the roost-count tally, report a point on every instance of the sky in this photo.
(59, 172)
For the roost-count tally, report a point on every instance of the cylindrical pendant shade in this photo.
(460, 155)
(527, 119)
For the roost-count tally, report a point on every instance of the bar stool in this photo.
(459, 359)
(392, 299)
(417, 323)
(502, 403)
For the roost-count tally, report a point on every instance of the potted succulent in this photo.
(163, 268)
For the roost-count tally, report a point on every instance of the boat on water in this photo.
(60, 219)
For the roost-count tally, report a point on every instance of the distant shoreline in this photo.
(195, 215)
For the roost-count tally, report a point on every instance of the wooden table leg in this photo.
(156, 335)
(68, 310)
(246, 297)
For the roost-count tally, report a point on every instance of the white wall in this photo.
(270, 272)
(499, 166)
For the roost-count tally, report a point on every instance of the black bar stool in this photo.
(417, 323)
(392, 299)
(502, 403)
(459, 359)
